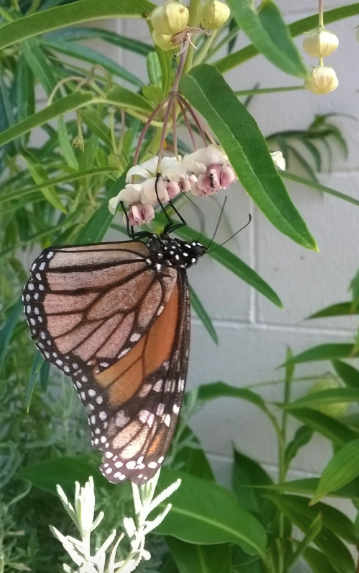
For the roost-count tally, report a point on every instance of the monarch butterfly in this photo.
(116, 318)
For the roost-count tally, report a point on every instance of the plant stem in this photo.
(192, 23)
(227, 38)
(205, 49)
(321, 13)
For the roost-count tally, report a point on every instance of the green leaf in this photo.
(308, 486)
(65, 144)
(78, 34)
(34, 378)
(347, 373)
(318, 561)
(296, 29)
(246, 148)
(233, 264)
(123, 97)
(192, 458)
(269, 34)
(7, 329)
(203, 315)
(96, 228)
(301, 438)
(247, 477)
(64, 471)
(330, 396)
(208, 392)
(339, 309)
(25, 92)
(191, 558)
(75, 13)
(39, 176)
(60, 107)
(194, 520)
(319, 187)
(296, 509)
(39, 64)
(87, 55)
(322, 352)
(341, 470)
(329, 427)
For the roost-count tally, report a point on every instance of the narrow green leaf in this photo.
(194, 520)
(96, 228)
(339, 309)
(97, 126)
(191, 458)
(329, 427)
(65, 105)
(154, 70)
(308, 486)
(318, 561)
(269, 34)
(78, 34)
(75, 13)
(39, 64)
(296, 29)
(246, 148)
(330, 396)
(203, 315)
(208, 392)
(319, 187)
(341, 470)
(322, 352)
(34, 378)
(56, 181)
(7, 329)
(347, 373)
(301, 438)
(88, 55)
(297, 510)
(39, 176)
(233, 264)
(191, 558)
(65, 144)
(25, 93)
(123, 97)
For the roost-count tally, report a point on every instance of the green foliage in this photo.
(57, 191)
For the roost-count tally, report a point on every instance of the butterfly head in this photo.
(174, 252)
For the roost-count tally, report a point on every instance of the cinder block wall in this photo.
(253, 333)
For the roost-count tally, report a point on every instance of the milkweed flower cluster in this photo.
(202, 173)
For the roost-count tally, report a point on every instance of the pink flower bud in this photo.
(140, 213)
(227, 176)
(172, 188)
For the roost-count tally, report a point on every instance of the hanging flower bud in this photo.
(321, 80)
(163, 41)
(335, 409)
(320, 43)
(170, 18)
(213, 14)
(140, 213)
(79, 142)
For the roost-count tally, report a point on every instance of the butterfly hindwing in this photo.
(138, 433)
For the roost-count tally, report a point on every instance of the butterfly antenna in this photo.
(218, 223)
(198, 212)
(230, 238)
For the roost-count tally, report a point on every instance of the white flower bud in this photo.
(320, 43)
(321, 80)
(213, 14)
(170, 18)
(163, 41)
(278, 160)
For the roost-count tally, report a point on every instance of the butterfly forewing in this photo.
(88, 306)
